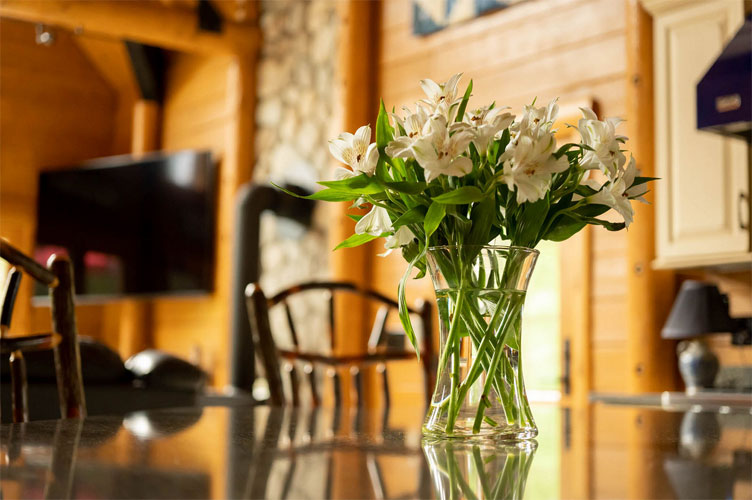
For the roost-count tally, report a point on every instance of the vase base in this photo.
(511, 433)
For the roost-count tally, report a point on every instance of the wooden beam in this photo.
(652, 361)
(356, 79)
(146, 121)
(110, 58)
(145, 22)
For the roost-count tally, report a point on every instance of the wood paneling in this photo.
(573, 49)
(111, 59)
(141, 20)
(651, 359)
(56, 110)
(196, 115)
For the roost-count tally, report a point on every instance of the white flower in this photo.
(401, 237)
(341, 173)
(529, 166)
(401, 146)
(355, 151)
(529, 163)
(441, 96)
(618, 192)
(601, 137)
(487, 124)
(375, 222)
(536, 121)
(438, 152)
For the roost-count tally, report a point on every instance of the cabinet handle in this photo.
(742, 200)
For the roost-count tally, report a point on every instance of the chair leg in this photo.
(19, 404)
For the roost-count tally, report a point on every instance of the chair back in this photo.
(58, 277)
(252, 200)
(281, 363)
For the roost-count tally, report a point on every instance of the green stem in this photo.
(498, 351)
(453, 329)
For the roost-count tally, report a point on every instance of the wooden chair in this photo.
(277, 361)
(58, 276)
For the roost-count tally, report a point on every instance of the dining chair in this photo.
(278, 361)
(63, 340)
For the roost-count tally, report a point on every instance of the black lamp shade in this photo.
(698, 309)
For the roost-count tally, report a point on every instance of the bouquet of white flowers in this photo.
(443, 182)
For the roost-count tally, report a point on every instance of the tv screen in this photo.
(132, 226)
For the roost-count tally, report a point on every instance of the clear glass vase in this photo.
(485, 471)
(480, 391)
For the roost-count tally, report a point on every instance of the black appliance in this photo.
(132, 225)
(724, 94)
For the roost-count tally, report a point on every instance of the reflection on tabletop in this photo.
(599, 451)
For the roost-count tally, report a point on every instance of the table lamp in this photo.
(700, 309)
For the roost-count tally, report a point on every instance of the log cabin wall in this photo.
(573, 49)
(195, 115)
(85, 111)
(56, 110)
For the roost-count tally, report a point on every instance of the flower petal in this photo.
(362, 137)
(339, 149)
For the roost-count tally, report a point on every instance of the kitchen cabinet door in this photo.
(702, 199)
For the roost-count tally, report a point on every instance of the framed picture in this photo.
(430, 16)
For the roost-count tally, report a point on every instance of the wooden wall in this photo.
(573, 49)
(56, 110)
(75, 101)
(196, 115)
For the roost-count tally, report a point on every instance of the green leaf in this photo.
(585, 191)
(413, 216)
(360, 184)
(356, 218)
(404, 314)
(643, 180)
(611, 226)
(460, 196)
(565, 148)
(483, 216)
(592, 210)
(384, 131)
(356, 240)
(565, 230)
(434, 216)
(333, 195)
(463, 104)
(323, 195)
(530, 222)
(407, 187)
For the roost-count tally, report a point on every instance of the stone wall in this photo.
(295, 103)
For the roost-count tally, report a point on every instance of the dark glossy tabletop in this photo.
(599, 451)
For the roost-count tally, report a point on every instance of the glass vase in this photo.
(480, 391)
(484, 471)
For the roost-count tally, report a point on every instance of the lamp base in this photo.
(697, 364)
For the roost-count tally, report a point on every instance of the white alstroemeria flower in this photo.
(341, 173)
(441, 96)
(606, 144)
(374, 222)
(438, 152)
(355, 150)
(487, 124)
(529, 165)
(536, 121)
(401, 237)
(618, 192)
(401, 146)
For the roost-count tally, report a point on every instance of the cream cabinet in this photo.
(702, 201)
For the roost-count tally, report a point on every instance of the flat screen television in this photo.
(132, 225)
